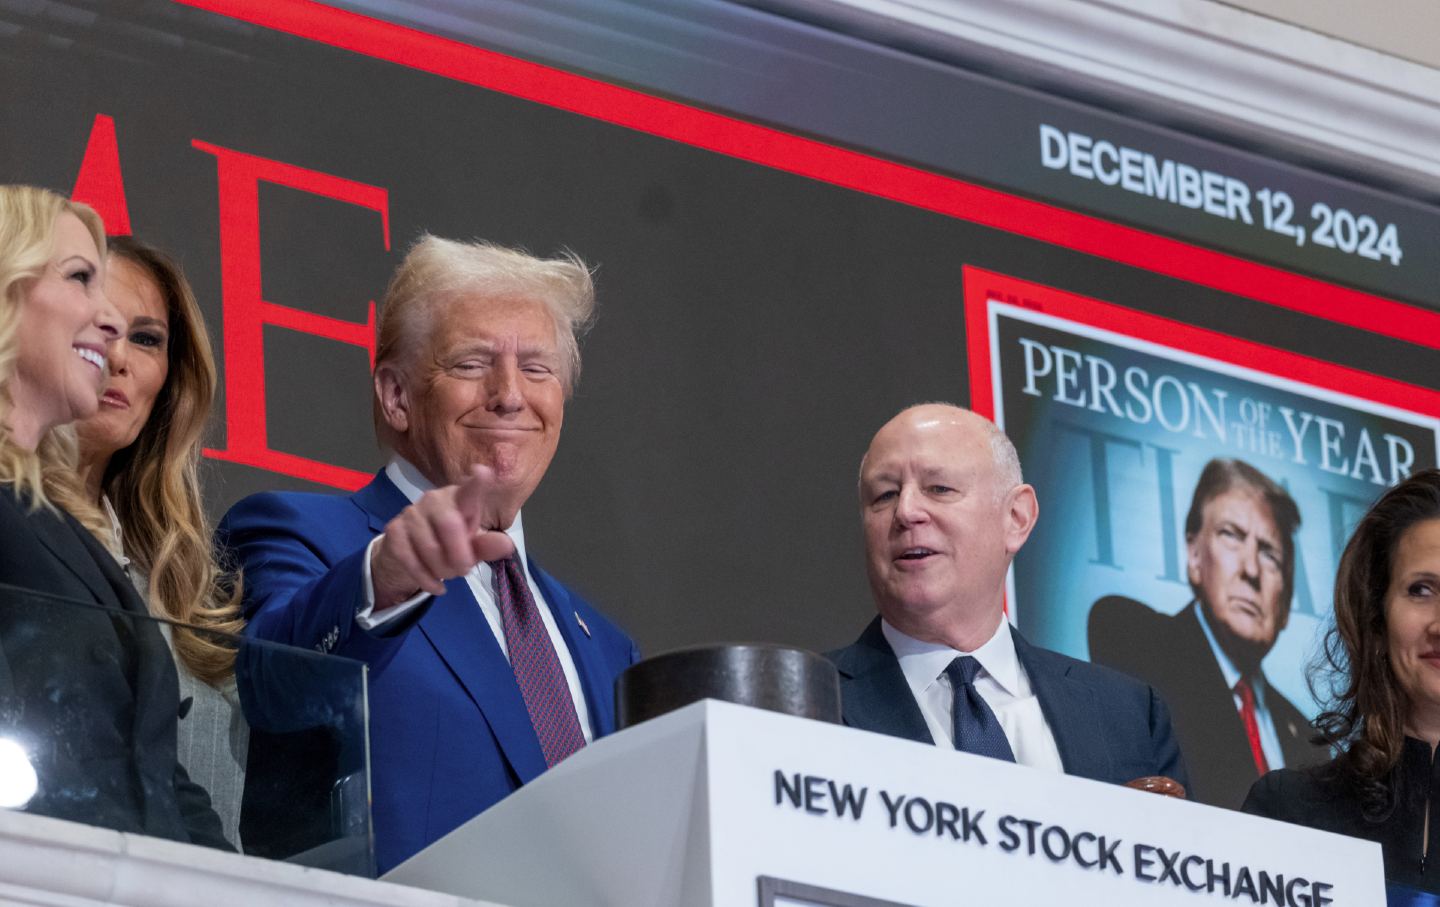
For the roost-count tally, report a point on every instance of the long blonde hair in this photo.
(155, 483)
(45, 476)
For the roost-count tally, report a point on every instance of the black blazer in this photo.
(91, 694)
(1325, 797)
(1172, 653)
(1107, 727)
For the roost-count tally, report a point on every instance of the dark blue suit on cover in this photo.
(449, 733)
(1107, 726)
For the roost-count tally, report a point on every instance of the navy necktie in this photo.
(976, 728)
(536, 666)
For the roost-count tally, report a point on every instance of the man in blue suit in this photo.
(945, 510)
(484, 670)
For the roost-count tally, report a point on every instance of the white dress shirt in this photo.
(1264, 721)
(1002, 683)
(412, 484)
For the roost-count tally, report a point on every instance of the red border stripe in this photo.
(981, 286)
(838, 166)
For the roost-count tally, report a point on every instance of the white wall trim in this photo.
(1254, 76)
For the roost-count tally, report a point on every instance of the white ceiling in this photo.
(1252, 75)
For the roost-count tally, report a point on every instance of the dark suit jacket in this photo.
(1107, 727)
(1327, 797)
(1172, 653)
(449, 732)
(92, 693)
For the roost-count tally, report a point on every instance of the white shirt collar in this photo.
(117, 532)
(412, 483)
(1227, 667)
(922, 663)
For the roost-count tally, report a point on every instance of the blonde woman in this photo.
(87, 697)
(139, 459)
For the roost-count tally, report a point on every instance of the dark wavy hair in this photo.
(1365, 708)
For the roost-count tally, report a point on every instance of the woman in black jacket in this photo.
(87, 688)
(1384, 717)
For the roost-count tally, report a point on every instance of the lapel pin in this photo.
(581, 621)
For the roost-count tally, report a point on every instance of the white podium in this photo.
(719, 804)
(56, 863)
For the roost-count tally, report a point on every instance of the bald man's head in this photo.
(944, 511)
(1002, 451)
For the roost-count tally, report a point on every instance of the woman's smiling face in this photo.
(138, 362)
(1412, 620)
(65, 322)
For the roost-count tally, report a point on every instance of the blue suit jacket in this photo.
(1108, 727)
(449, 733)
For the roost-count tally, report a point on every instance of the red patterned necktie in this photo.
(537, 668)
(1252, 728)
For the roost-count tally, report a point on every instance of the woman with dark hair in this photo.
(139, 460)
(1383, 719)
(87, 692)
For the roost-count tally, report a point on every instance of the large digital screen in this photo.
(786, 254)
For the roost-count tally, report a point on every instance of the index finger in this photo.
(470, 496)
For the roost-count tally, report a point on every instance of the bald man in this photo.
(945, 510)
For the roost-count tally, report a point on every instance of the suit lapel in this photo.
(457, 629)
(873, 691)
(460, 635)
(1293, 730)
(1069, 707)
(152, 673)
(87, 559)
(595, 680)
(380, 500)
(1213, 704)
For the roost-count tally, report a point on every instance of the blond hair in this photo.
(438, 271)
(46, 475)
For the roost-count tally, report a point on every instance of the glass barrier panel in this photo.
(105, 719)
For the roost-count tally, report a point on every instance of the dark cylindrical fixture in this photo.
(792, 681)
